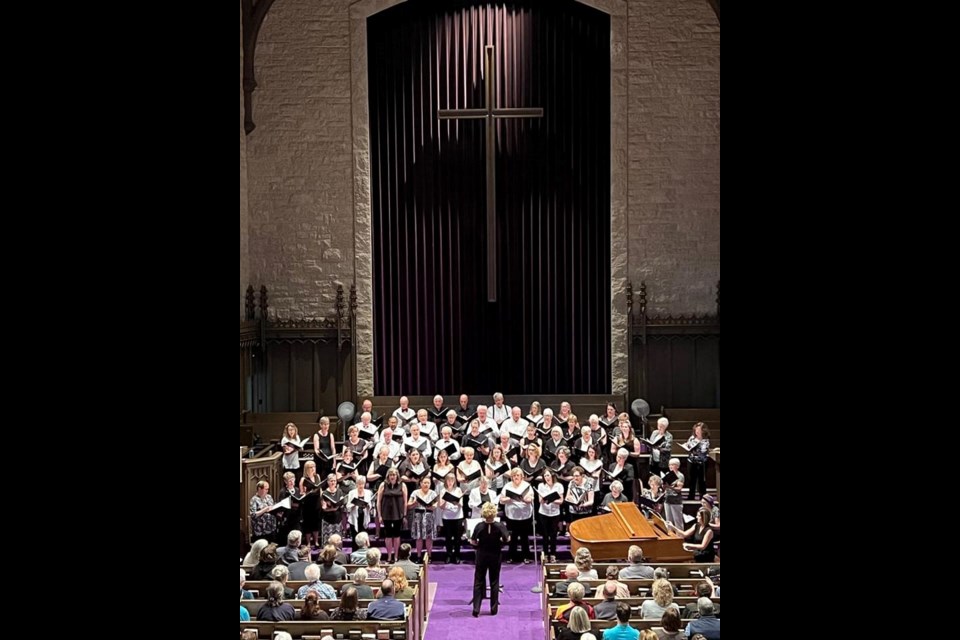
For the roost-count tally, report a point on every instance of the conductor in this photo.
(488, 537)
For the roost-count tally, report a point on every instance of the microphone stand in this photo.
(536, 588)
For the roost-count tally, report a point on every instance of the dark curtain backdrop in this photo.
(434, 331)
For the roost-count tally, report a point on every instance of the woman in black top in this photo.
(391, 510)
(324, 447)
(331, 510)
(488, 537)
(702, 535)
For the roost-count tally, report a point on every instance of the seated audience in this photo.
(268, 560)
(337, 541)
(704, 590)
(275, 608)
(401, 588)
(349, 608)
(374, 570)
(707, 624)
(297, 568)
(607, 610)
(311, 608)
(364, 591)
(662, 592)
(244, 594)
(623, 630)
(387, 607)
(280, 573)
(670, 626)
(329, 569)
(410, 569)
(571, 575)
(636, 570)
(578, 625)
(253, 556)
(613, 572)
(359, 555)
(325, 591)
(584, 562)
(575, 592)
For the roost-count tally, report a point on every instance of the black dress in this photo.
(291, 517)
(708, 554)
(311, 506)
(490, 538)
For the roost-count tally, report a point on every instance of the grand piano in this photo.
(609, 536)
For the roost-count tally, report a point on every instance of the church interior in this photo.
(479, 318)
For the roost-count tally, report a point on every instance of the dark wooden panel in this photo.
(304, 377)
(706, 384)
(278, 378)
(681, 370)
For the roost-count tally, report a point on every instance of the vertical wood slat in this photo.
(441, 340)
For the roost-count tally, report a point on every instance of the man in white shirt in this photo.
(404, 414)
(367, 428)
(487, 425)
(447, 442)
(501, 411)
(415, 439)
(515, 425)
(427, 428)
(387, 441)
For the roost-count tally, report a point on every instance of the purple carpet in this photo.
(519, 618)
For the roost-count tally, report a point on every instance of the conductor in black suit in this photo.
(488, 537)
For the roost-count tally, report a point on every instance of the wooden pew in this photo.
(254, 606)
(676, 569)
(597, 626)
(419, 610)
(634, 602)
(635, 586)
(261, 585)
(376, 629)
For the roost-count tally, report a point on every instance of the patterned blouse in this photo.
(699, 453)
(265, 524)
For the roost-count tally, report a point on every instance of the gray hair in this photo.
(280, 573)
(275, 593)
(498, 396)
(664, 422)
(675, 461)
(283, 635)
(360, 575)
(623, 453)
(616, 484)
(438, 397)
(575, 591)
(362, 539)
(373, 557)
(312, 572)
(451, 414)
(481, 406)
(635, 554)
(293, 538)
(705, 606)
(572, 569)
(579, 622)
(548, 411)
